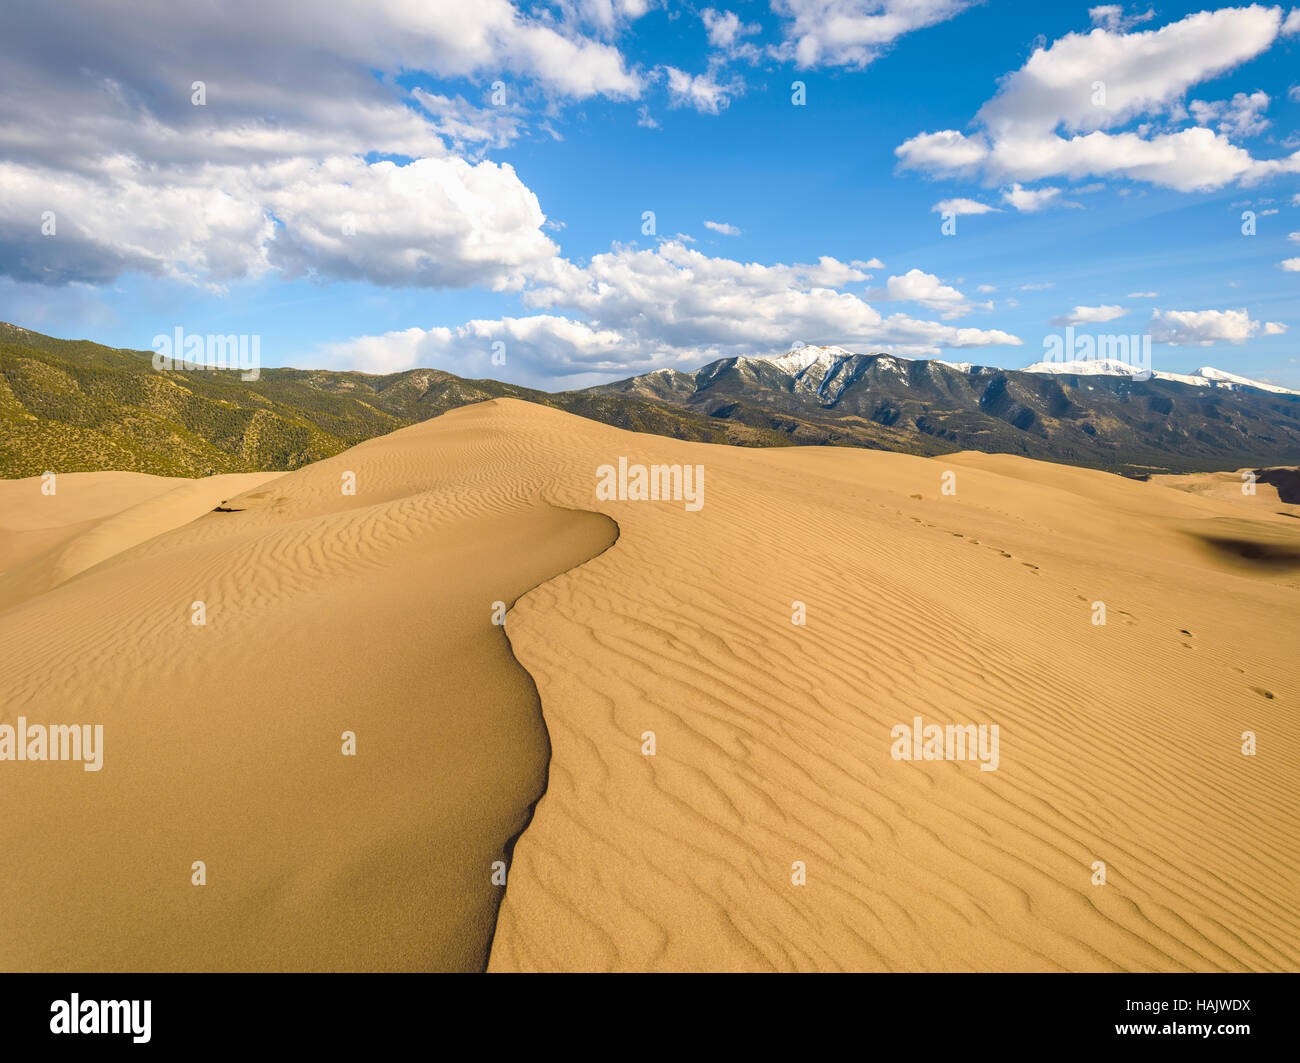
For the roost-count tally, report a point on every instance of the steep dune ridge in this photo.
(325, 613)
(1119, 743)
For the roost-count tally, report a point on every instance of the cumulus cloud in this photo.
(925, 288)
(722, 227)
(1205, 328)
(1242, 116)
(1089, 315)
(537, 348)
(102, 129)
(631, 310)
(1291, 265)
(436, 222)
(1062, 113)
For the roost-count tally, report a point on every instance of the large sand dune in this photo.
(372, 613)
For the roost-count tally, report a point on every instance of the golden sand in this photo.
(1120, 743)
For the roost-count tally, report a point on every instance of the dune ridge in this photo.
(1119, 743)
(326, 613)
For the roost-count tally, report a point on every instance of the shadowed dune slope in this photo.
(325, 613)
(1119, 743)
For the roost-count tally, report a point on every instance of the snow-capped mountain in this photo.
(1206, 376)
(1099, 413)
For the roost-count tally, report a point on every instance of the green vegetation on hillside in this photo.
(76, 406)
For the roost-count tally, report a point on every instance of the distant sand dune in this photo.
(1119, 743)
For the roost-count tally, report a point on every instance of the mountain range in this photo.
(74, 405)
(1075, 413)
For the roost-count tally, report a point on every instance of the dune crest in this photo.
(326, 615)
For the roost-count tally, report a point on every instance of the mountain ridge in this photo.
(75, 406)
(1071, 414)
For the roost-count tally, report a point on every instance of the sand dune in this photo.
(1119, 743)
(47, 538)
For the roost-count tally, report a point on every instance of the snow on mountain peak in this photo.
(802, 357)
(1088, 367)
(1219, 376)
(1206, 376)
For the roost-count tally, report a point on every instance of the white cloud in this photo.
(1204, 328)
(1294, 237)
(1291, 265)
(269, 173)
(537, 348)
(1089, 315)
(1112, 17)
(701, 91)
(1242, 116)
(925, 288)
(963, 206)
(1028, 200)
(984, 289)
(631, 310)
(1142, 295)
(946, 152)
(1051, 118)
(1040, 287)
(435, 222)
(722, 227)
(725, 32)
(466, 128)
(853, 33)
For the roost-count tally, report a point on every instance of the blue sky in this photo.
(404, 183)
